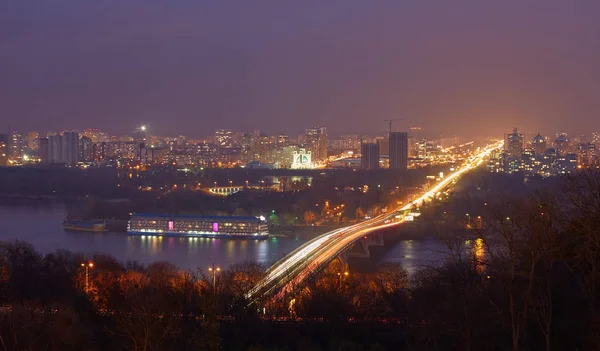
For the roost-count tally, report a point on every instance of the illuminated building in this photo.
(199, 226)
(3, 149)
(398, 150)
(282, 140)
(96, 135)
(16, 145)
(561, 144)
(159, 155)
(586, 154)
(369, 156)
(596, 139)
(513, 145)
(539, 144)
(86, 149)
(349, 142)
(100, 151)
(316, 141)
(302, 159)
(33, 140)
(224, 138)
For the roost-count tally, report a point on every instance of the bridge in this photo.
(291, 272)
(228, 190)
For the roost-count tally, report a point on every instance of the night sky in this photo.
(190, 66)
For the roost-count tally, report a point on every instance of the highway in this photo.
(291, 271)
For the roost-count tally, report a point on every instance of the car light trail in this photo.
(289, 272)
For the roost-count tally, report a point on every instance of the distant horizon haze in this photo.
(190, 67)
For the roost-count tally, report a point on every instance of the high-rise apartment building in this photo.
(86, 151)
(369, 155)
(3, 149)
(54, 149)
(513, 145)
(384, 146)
(70, 148)
(63, 148)
(224, 138)
(316, 141)
(539, 144)
(398, 142)
(33, 140)
(16, 145)
(561, 144)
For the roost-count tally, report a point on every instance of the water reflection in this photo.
(42, 227)
(479, 254)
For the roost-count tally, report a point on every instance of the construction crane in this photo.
(391, 120)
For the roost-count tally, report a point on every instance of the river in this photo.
(41, 226)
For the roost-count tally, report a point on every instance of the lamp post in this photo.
(87, 274)
(214, 271)
(340, 275)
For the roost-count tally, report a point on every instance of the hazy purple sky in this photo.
(190, 66)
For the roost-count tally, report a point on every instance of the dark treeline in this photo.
(527, 280)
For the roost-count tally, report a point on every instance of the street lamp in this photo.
(87, 274)
(214, 271)
(340, 275)
(215, 185)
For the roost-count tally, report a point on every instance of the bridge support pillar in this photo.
(376, 239)
(360, 249)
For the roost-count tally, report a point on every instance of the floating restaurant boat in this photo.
(244, 227)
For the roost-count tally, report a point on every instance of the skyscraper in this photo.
(16, 144)
(398, 150)
(539, 144)
(561, 143)
(316, 142)
(369, 158)
(54, 149)
(85, 149)
(513, 146)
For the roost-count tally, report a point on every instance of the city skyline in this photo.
(190, 68)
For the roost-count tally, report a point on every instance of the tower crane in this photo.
(391, 120)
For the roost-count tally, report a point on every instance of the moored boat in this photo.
(85, 226)
(242, 227)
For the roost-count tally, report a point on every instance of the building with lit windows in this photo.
(3, 149)
(513, 145)
(86, 149)
(244, 227)
(224, 138)
(561, 144)
(33, 140)
(16, 145)
(315, 140)
(539, 144)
